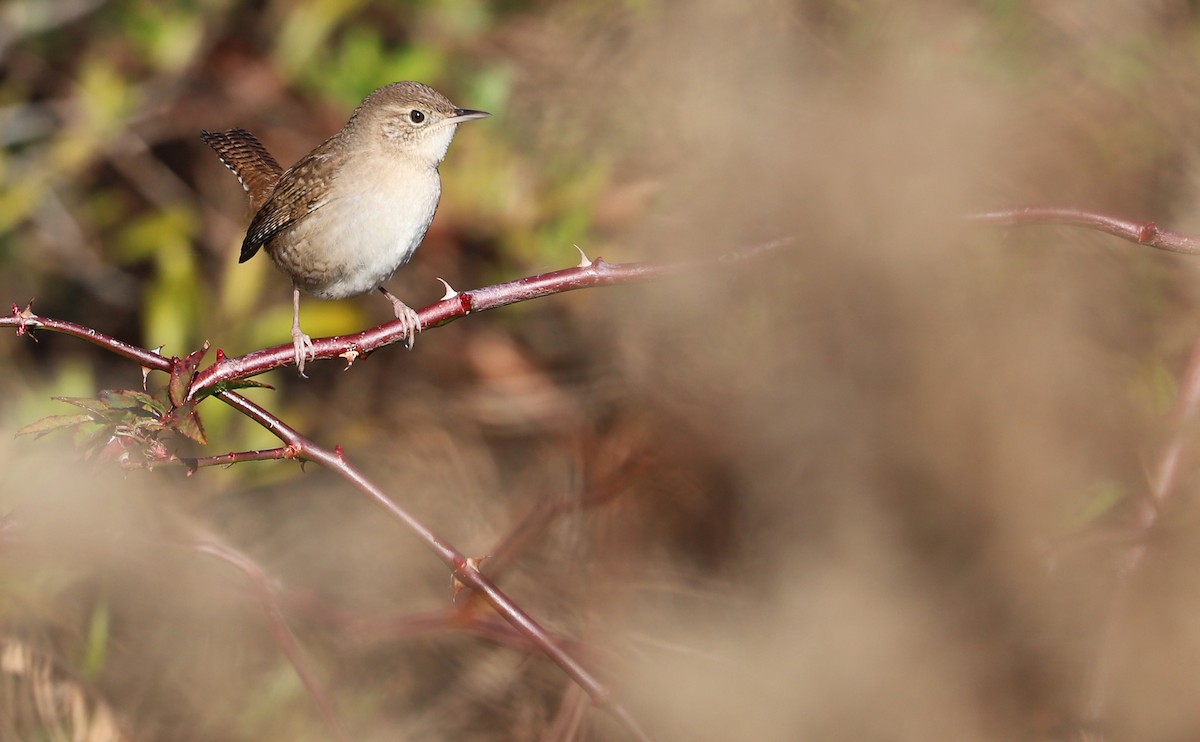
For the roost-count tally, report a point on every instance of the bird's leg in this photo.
(409, 319)
(301, 342)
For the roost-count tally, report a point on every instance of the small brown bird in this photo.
(347, 215)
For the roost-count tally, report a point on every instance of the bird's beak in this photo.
(466, 114)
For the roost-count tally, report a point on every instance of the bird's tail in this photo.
(249, 160)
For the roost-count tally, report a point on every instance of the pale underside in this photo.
(356, 237)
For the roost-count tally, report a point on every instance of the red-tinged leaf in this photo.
(183, 370)
(146, 427)
(186, 421)
(96, 442)
(91, 404)
(53, 423)
(113, 448)
(128, 399)
(191, 427)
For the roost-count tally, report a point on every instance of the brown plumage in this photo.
(343, 219)
(255, 168)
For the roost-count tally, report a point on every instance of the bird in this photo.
(343, 219)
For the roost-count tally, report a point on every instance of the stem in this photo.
(457, 305)
(1143, 233)
(464, 569)
(279, 628)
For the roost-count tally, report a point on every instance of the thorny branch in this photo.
(455, 305)
(591, 273)
(464, 569)
(214, 378)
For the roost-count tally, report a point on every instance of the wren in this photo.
(343, 219)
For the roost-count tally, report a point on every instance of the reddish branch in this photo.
(590, 274)
(459, 304)
(464, 569)
(1143, 233)
(455, 305)
(25, 321)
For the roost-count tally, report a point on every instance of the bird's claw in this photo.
(410, 321)
(304, 348)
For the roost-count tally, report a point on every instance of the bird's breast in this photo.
(373, 221)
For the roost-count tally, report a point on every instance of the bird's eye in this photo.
(416, 116)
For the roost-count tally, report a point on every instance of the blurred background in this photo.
(877, 485)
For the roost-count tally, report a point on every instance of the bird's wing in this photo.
(299, 192)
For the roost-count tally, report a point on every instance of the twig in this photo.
(1162, 487)
(464, 569)
(456, 305)
(1166, 472)
(1143, 233)
(194, 463)
(279, 628)
(25, 320)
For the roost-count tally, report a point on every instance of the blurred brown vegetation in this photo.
(834, 476)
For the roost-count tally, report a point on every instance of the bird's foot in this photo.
(410, 321)
(304, 348)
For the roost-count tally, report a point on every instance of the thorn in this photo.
(472, 564)
(23, 317)
(337, 451)
(450, 292)
(220, 355)
(351, 355)
(146, 370)
(583, 258)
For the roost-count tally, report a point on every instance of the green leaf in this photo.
(228, 386)
(191, 427)
(128, 399)
(98, 406)
(52, 423)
